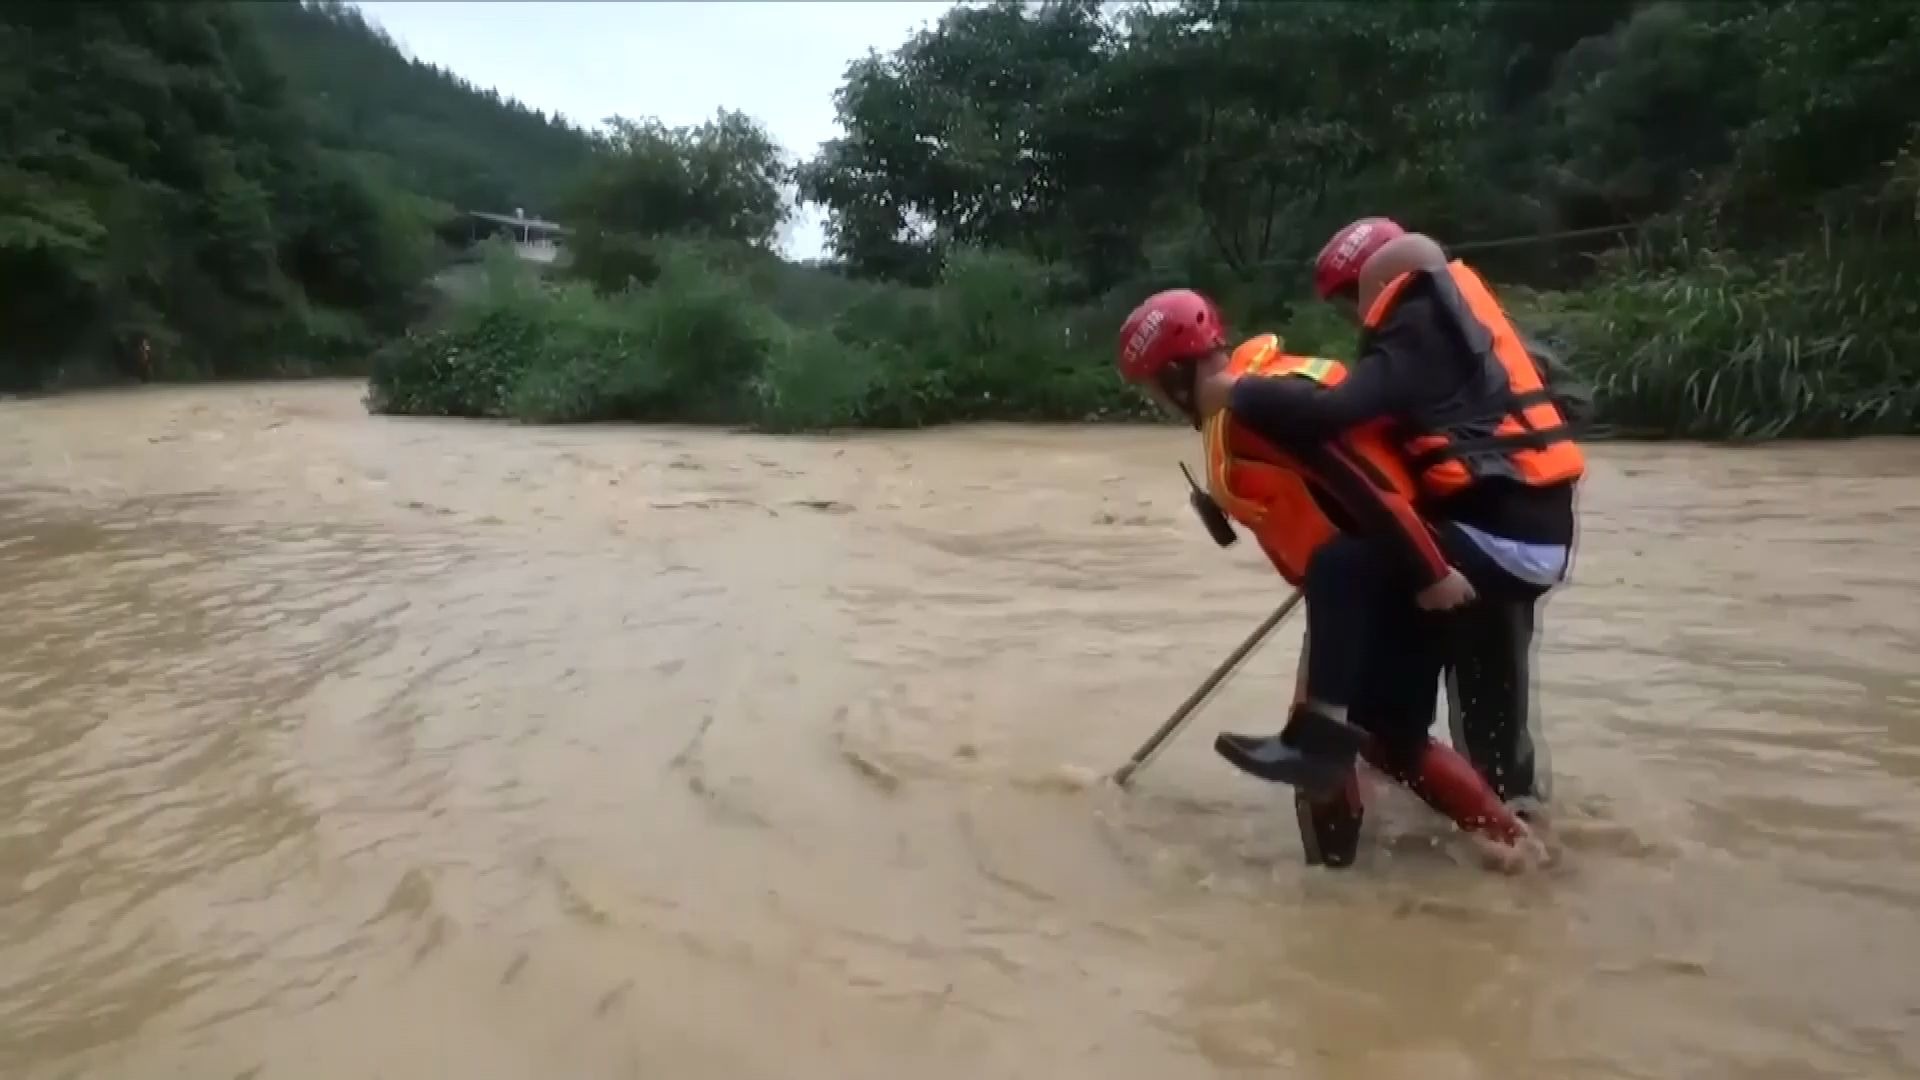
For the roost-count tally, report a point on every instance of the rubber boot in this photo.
(1314, 752)
(1444, 779)
(1330, 827)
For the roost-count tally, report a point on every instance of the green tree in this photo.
(1058, 131)
(722, 180)
(1757, 155)
(949, 140)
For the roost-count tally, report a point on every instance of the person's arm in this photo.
(1406, 363)
(1376, 508)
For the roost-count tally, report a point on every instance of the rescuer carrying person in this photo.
(1443, 372)
(1297, 502)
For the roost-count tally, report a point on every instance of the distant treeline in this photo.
(1734, 187)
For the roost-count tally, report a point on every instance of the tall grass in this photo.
(1820, 342)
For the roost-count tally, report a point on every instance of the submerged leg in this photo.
(1393, 702)
(1445, 780)
(1352, 582)
(1330, 826)
(1490, 710)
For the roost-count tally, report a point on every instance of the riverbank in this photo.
(1700, 350)
(1695, 349)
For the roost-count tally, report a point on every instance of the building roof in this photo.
(518, 222)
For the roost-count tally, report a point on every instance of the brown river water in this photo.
(340, 746)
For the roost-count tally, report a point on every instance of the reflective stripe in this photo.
(1313, 367)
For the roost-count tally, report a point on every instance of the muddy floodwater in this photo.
(336, 746)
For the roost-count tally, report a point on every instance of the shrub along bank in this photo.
(723, 336)
(1691, 346)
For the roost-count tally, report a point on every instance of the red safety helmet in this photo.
(1168, 327)
(1338, 265)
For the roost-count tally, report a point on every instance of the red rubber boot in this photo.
(1445, 780)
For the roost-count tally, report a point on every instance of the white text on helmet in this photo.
(1144, 336)
(1352, 244)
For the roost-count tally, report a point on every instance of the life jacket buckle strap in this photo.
(1536, 439)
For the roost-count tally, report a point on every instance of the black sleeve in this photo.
(1375, 508)
(1407, 362)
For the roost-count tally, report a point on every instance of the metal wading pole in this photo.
(1188, 707)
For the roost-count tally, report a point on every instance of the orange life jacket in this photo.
(1258, 486)
(1507, 426)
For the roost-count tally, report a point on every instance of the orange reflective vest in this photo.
(1256, 484)
(1509, 426)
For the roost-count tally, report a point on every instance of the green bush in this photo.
(819, 381)
(706, 334)
(1000, 338)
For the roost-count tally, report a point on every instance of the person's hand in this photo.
(1446, 594)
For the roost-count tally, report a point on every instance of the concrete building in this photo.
(534, 240)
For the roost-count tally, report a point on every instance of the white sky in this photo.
(778, 62)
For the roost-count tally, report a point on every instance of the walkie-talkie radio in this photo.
(1214, 518)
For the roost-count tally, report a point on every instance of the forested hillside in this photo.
(218, 189)
(432, 131)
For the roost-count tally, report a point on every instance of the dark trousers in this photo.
(1372, 649)
(1490, 698)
